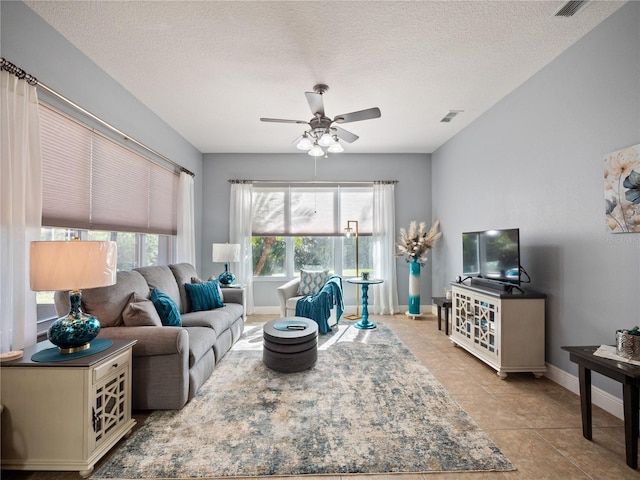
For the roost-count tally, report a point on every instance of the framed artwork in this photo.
(622, 190)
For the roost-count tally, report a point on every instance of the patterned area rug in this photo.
(368, 406)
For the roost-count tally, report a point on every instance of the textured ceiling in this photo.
(211, 69)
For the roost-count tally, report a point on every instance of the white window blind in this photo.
(310, 210)
(92, 182)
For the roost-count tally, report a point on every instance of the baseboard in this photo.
(599, 397)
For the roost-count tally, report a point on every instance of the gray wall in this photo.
(535, 161)
(30, 43)
(413, 199)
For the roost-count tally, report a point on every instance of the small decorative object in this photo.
(622, 190)
(628, 343)
(226, 252)
(365, 275)
(414, 245)
(72, 265)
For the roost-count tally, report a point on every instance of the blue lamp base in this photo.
(226, 277)
(74, 332)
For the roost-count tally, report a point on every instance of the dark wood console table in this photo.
(625, 373)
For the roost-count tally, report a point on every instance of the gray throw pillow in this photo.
(141, 312)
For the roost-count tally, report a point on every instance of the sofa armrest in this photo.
(286, 291)
(233, 295)
(151, 340)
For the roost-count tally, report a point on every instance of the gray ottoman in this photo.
(290, 344)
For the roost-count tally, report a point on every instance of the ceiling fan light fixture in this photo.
(325, 140)
(316, 151)
(335, 148)
(304, 143)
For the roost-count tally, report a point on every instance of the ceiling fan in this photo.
(322, 132)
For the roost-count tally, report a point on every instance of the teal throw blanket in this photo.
(318, 307)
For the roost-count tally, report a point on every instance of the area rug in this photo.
(367, 406)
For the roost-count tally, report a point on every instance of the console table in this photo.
(626, 373)
(504, 330)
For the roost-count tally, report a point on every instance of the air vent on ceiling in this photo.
(570, 8)
(451, 115)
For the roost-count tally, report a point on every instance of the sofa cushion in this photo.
(201, 340)
(219, 319)
(204, 296)
(182, 273)
(107, 303)
(166, 308)
(312, 281)
(161, 277)
(140, 313)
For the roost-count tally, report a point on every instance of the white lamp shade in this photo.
(316, 151)
(72, 265)
(226, 252)
(325, 140)
(304, 144)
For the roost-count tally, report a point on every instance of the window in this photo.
(302, 226)
(95, 188)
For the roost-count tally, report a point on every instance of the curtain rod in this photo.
(315, 182)
(7, 66)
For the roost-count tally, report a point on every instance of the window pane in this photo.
(269, 256)
(268, 211)
(313, 211)
(357, 204)
(365, 251)
(311, 252)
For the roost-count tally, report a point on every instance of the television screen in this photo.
(492, 254)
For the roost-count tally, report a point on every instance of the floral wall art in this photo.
(622, 190)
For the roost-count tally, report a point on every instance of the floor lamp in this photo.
(348, 231)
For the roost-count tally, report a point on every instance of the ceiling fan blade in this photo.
(315, 103)
(280, 120)
(346, 135)
(358, 116)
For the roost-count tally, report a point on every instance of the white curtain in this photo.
(20, 209)
(385, 298)
(240, 216)
(186, 239)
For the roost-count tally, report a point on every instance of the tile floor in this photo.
(535, 422)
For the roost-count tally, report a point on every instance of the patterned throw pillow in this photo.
(204, 296)
(312, 281)
(140, 312)
(166, 308)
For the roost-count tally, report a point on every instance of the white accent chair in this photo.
(288, 297)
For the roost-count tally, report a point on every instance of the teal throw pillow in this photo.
(166, 308)
(204, 296)
(311, 282)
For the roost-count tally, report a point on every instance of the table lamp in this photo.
(225, 253)
(348, 231)
(72, 265)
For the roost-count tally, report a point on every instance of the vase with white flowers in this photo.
(414, 245)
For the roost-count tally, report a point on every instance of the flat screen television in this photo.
(492, 255)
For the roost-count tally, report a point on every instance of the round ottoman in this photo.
(290, 344)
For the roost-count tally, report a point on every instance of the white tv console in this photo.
(504, 330)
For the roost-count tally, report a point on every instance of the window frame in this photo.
(337, 234)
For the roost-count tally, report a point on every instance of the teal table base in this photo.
(53, 355)
(365, 324)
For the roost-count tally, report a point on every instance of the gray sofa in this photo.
(170, 364)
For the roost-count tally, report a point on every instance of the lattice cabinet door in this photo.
(485, 325)
(111, 399)
(463, 315)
